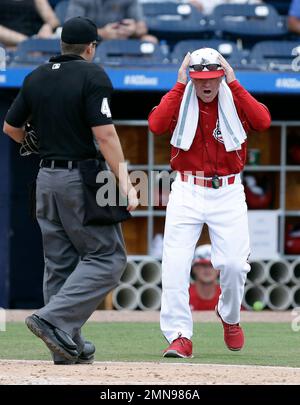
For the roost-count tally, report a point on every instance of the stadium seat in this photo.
(131, 52)
(229, 49)
(35, 51)
(276, 55)
(61, 10)
(249, 22)
(175, 21)
(6, 56)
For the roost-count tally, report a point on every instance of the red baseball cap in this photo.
(205, 64)
(202, 255)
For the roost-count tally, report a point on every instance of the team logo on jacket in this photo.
(217, 133)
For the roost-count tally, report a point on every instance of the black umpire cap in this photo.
(79, 30)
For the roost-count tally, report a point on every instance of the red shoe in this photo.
(233, 335)
(180, 347)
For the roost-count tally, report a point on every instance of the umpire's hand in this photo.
(133, 200)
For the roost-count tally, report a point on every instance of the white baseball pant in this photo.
(224, 210)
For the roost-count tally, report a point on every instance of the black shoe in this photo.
(56, 340)
(87, 354)
(85, 357)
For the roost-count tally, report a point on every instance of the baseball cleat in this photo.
(233, 335)
(180, 347)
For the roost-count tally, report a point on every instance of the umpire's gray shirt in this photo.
(103, 12)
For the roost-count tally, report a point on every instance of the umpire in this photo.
(67, 101)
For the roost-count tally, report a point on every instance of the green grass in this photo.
(272, 344)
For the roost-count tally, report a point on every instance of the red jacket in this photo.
(206, 153)
(198, 303)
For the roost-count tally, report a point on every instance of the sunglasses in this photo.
(211, 67)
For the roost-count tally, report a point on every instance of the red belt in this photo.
(207, 182)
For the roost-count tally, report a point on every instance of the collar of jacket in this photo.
(65, 58)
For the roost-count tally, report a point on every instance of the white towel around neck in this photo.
(231, 128)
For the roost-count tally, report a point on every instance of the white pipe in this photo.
(149, 297)
(125, 296)
(252, 294)
(130, 274)
(295, 293)
(295, 269)
(279, 297)
(279, 272)
(149, 272)
(258, 273)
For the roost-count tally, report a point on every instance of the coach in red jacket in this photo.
(208, 118)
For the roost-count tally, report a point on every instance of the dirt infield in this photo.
(102, 373)
(110, 373)
(153, 316)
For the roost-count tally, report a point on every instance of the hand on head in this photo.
(182, 72)
(229, 72)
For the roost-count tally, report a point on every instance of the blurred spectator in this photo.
(53, 3)
(294, 17)
(205, 291)
(207, 6)
(116, 19)
(20, 19)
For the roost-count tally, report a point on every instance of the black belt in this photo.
(61, 164)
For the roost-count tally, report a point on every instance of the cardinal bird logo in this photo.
(217, 134)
